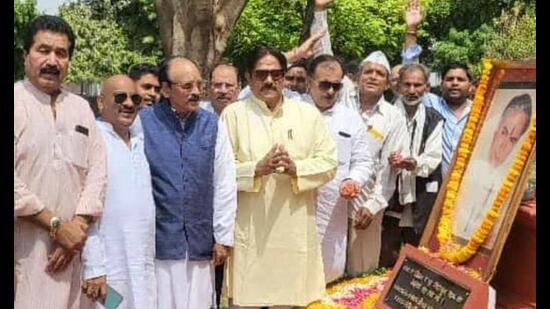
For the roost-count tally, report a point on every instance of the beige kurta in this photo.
(58, 167)
(277, 257)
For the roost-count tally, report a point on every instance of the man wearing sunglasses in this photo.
(120, 248)
(194, 188)
(146, 77)
(355, 162)
(283, 151)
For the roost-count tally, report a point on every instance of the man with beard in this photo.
(146, 77)
(454, 106)
(223, 88)
(283, 152)
(355, 163)
(193, 174)
(59, 171)
(420, 177)
(120, 250)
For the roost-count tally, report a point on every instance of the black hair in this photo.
(351, 67)
(261, 51)
(48, 23)
(314, 63)
(454, 66)
(138, 70)
(415, 66)
(303, 63)
(229, 64)
(522, 103)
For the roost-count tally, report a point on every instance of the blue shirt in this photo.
(452, 126)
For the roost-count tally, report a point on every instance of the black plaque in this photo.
(416, 286)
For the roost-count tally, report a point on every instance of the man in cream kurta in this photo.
(283, 151)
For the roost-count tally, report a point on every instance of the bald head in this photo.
(118, 102)
(181, 84)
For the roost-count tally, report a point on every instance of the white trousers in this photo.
(184, 284)
(364, 247)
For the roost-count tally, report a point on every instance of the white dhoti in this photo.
(364, 246)
(184, 284)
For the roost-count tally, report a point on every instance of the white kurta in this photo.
(184, 284)
(122, 244)
(355, 162)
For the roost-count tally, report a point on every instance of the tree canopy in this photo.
(113, 35)
(24, 12)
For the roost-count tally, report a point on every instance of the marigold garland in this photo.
(449, 250)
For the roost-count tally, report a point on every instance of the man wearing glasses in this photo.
(121, 247)
(193, 177)
(223, 88)
(283, 151)
(355, 162)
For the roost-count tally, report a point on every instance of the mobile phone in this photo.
(113, 298)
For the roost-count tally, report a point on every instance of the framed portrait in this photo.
(507, 116)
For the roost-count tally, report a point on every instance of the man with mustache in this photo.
(146, 77)
(355, 163)
(385, 124)
(283, 152)
(194, 188)
(120, 250)
(454, 106)
(59, 171)
(223, 88)
(295, 78)
(420, 176)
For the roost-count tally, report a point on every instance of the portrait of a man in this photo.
(502, 133)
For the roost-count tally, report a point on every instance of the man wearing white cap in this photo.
(385, 125)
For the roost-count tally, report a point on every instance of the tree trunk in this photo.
(197, 29)
(308, 19)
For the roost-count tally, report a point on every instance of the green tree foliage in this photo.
(103, 48)
(24, 12)
(516, 38)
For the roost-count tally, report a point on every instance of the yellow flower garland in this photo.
(449, 250)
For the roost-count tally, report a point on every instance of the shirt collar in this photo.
(108, 127)
(39, 94)
(465, 112)
(381, 107)
(263, 106)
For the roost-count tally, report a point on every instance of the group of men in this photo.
(306, 177)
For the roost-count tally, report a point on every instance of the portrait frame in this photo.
(519, 75)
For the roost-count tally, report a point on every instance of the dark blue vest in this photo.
(182, 169)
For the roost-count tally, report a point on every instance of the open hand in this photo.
(266, 166)
(413, 14)
(321, 5)
(283, 162)
(59, 259)
(309, 48)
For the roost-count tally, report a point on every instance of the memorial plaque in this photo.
(417, 286)
(423, 281)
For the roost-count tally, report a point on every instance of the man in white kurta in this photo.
(283, 151)
(385, 125)
(355, 162)
(194, 188)
(122, 245)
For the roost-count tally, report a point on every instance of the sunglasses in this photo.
(325, 86)
(275, 74)
(121, 97)
(299, 79)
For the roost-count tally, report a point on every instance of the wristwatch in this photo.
(55, 222)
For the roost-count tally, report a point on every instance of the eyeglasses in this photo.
(121, 97)
(221, 85)
(188, 86)
(275, 74)
(326, 85)
(150, 86)
(299, 79)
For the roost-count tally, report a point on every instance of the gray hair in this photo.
(415, 67)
